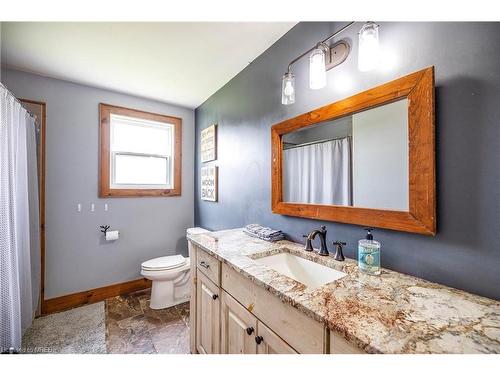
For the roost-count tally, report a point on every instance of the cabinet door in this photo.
(238, 327)
(269, 342)
(207, 316)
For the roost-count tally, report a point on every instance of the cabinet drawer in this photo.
(209, 266)
(339, 345)
(302, 333)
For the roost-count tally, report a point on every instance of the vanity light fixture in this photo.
(323, 57)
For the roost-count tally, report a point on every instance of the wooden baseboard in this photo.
(91, 296)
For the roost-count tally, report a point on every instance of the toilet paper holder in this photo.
(104, 229)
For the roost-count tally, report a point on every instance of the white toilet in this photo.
(170, 277)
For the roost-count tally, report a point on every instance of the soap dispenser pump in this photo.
(369, 254)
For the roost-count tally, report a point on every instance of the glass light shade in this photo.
(368, 54)
(288, 89)
(317, 69)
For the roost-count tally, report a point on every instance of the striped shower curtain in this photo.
(18, 199)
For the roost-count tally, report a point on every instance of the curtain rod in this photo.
(316, 142)
(20, 102)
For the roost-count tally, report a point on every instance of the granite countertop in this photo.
(389, 313)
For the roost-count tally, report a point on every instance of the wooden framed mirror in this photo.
(368, 159)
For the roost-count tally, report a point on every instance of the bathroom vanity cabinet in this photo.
(232, 314)
(246, 303)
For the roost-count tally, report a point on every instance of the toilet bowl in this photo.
(170, 277)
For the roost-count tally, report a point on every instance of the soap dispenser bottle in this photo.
(369, 254)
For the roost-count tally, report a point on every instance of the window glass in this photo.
(141, 170)
(140, 136)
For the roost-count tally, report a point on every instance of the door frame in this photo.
(41, 197)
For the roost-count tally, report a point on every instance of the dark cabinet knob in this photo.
(215, 296)
(259, 339)
(250, 330)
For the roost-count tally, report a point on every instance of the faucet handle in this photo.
(339, 255)
(308, 243)
(323, 228)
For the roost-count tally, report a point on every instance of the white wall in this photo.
(77, 257)
(380, 157)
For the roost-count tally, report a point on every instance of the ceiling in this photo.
(176, 62)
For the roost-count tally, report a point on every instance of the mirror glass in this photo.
(360, 160)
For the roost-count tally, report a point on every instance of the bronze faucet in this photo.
(323, 250)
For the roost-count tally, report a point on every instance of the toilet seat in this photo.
(164, 263)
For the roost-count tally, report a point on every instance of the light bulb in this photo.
(368, 54)
(317, 69)
(288, 89)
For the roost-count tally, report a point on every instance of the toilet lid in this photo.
(164, 263)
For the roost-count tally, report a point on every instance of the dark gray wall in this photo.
(465, 253)
(77, 257)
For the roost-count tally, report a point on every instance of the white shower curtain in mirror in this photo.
(17, 158)
(318, 173)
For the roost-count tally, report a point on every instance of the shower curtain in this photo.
(19, 225)
(319, 173)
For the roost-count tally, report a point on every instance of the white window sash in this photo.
(169, 174)
(169, 159)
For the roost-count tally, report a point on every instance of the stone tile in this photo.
(122, 307)
(158, 318)
(129, 336)
(141, 294)
(171, 339)
(133, 327)
(183, 310)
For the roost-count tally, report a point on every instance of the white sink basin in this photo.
(305, 271)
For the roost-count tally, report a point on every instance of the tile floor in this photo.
(133, 327)
(123, 324)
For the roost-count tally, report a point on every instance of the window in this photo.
(140, 153)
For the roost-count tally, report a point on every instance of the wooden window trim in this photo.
(105, 190)
(418, 88)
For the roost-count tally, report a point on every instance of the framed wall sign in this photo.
(209, 183)
(209, 143)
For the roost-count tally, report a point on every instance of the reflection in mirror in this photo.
(360, 160)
